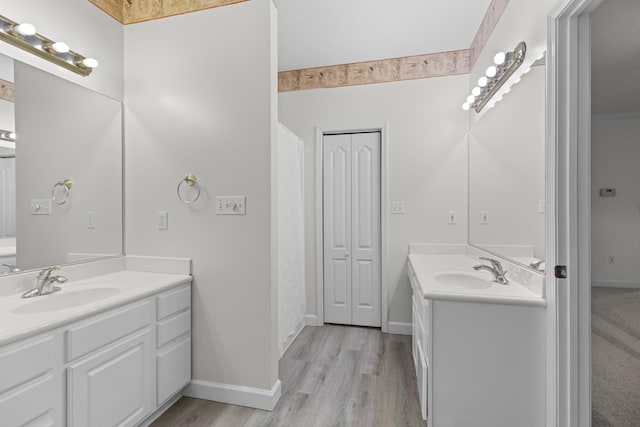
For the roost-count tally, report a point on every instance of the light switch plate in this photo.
(484, 217)
(398, 208)
(452, 217)
(231, 205)
(40, 206)
(163, 220)
(91, 220)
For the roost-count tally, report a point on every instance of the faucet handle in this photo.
(494, 263)
(44, 274)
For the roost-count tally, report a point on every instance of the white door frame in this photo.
(384, 217)
(568, 233)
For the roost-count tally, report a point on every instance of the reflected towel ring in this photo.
(191, 181)
(66, 186)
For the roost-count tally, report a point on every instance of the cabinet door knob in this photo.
(347, 254)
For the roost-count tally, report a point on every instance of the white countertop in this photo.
(428, 266)
(18, 321)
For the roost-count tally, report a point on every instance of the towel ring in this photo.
(60, 198)
(190, 181)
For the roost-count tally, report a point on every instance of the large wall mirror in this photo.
(507, 174)
(62, 178)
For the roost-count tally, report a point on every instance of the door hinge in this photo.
(560, 271)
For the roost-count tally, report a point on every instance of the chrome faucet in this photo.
(537, 264)
(45, 283)
(496, 268)
(11, 268)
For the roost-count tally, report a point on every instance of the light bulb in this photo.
(483, 81)
(12, 135)
(60, 47)
(526, 71)
(539, 57)
(517, 80)
(90, 63)
(491, 71)
(476, 91)
(499, 58)
(471, 99)
(466, 106)
(25, 29)
(507, 90)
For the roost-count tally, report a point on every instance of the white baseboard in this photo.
(234, 394)
(614, 284)
(311, 320)
(400, 328)
(291, 338)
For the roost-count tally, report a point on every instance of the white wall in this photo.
(198, 92)
(427, 163)
(85, 28)
(615, 221)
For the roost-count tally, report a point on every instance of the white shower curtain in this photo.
(291, 285)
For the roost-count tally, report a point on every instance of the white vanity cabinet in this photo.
(115, 368)
(478, 364)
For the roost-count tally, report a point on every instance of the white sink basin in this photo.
(463, 280)
(65, 299)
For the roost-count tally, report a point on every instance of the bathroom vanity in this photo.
(106, 350)
(478, 346)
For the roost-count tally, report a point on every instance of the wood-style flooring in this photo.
(331, 376)
(615, 357)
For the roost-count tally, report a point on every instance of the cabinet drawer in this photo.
(92, 335)
(174, 370)
(173, 327)
(173, 302)
(23, 362)
(24, 404)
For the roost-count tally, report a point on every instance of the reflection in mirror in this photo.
(63, 131)
(507, 175)
(7, 169)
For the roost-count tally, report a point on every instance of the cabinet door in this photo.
(113, 387)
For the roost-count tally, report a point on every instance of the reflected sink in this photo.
(463, 280)
(62, 300)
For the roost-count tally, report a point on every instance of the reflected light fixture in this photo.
(7, 135)
(26, 37)
(504, 66)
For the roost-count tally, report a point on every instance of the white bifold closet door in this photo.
(351, 228)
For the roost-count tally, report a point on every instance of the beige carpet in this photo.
(615, 352)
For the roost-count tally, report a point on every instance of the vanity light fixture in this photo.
(26, 37)
(504, 66)
(7, 135)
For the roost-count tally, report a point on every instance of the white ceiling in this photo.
(314, 33)
(615, 57)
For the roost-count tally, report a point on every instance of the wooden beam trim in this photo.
(6, 90)
(382, 71)
(134, 11)
(146, 10)
(489, 22)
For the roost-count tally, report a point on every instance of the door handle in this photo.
(347, 255)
